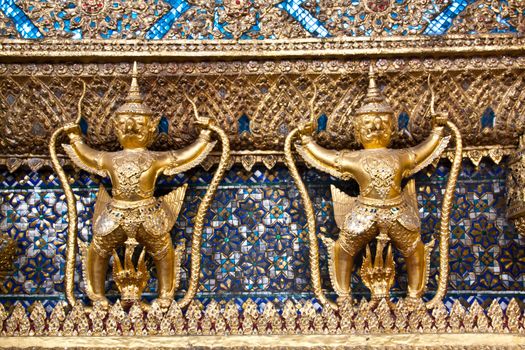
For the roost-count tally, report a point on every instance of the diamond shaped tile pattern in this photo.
(255, 236)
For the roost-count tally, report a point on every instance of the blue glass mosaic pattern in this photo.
(164, 24)
(155, 19)
(254, 239)
(307, 20)
(445, 19)
(23, 24)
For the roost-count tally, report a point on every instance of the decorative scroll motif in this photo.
(379, 17)
(7, 28)
(216, 320)
(257, 19)
(233, 19)
(516, 188)
(91, 19)
(273, 95)
(488, 16)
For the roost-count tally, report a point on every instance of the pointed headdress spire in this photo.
(134, 102)
(374, 102)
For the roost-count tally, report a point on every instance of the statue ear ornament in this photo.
(130, 280)
(378, 273)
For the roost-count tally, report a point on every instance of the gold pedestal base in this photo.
(378, 341)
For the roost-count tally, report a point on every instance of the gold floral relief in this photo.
(273, 95)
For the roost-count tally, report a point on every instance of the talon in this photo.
(163, 302)
(100, 300)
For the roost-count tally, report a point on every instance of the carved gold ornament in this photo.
(131, 215)
(383, 209)
(297, 318)
(516, 188)
(8, 253)
(465, 90)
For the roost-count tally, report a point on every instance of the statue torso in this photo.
(380, 173)
(132, 175)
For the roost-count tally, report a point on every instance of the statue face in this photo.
(374, 130)
(134, 131)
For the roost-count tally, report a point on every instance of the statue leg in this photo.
(416, 268)
(413, 250)
(344, 265)
(161, 249)
(345, 250)
(98, 256)
(97, 266)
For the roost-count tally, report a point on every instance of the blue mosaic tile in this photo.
(23, 24)
(445, 20)
(255, 235)
(161, 27)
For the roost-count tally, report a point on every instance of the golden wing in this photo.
(79, 163)
(172, 203)
(343, 203)
(409, 194)
(103, 198)
(172, 170)
(437, 153)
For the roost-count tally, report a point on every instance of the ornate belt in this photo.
(120, 204)
(375, 202)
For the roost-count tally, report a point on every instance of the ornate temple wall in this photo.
(252, 66)
(255, 243)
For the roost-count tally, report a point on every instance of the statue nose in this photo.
(377, 123)
(130, 125)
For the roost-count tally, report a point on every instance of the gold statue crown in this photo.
(374, 101)
(134, 102)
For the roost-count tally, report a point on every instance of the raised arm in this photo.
(420, 156)
(82, 155)
(337, 163)
(185, 158)
(324, 155)
(428, 146)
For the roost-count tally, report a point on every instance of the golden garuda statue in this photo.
(132, 215)
(383, 209)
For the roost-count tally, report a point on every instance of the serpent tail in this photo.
(195, 269)
(310, 217)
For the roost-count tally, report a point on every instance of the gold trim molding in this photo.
(346, 47)
(310, 342)
(248, 159)
(228, 319)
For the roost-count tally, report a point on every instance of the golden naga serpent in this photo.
(315, 273)
(196, 244)
(444, 232)
(444, 228)
(72, 229)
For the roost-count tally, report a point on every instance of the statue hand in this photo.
(206, 134)
(72, 130)
(306, 128)
(204, 122)
(440, 119)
